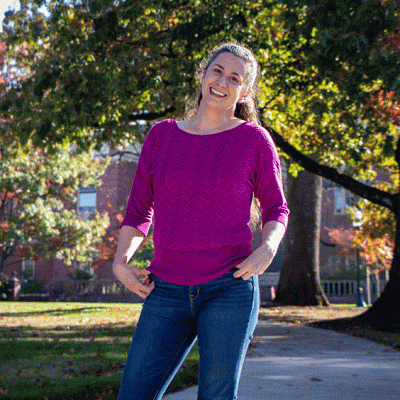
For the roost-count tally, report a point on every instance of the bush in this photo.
(5, 287)
(32, 286)
(81, 273)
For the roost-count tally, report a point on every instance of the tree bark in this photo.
(385, 312)
(299, 282)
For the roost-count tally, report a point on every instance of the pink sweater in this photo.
(199, 188)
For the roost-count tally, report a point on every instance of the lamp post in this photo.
(360, 297)
(357, 224)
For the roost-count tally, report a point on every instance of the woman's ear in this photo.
(243, 98)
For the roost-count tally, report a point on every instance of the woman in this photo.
(199, 176)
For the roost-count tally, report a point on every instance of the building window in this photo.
(28, 270)
(86, 202)
(339, 201)
(343, 199)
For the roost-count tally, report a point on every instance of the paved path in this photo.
(293, 362)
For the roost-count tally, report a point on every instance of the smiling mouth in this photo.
(213, 91)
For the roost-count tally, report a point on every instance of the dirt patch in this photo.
(307, 315)
(336, 318)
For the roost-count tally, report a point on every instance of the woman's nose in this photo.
(222, 80)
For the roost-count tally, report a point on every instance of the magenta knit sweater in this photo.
(199, 188)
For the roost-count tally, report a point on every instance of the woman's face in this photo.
(224, 83)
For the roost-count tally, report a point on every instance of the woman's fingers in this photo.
(143, 287)
(135, 279)
(245, 272)
(144, 290)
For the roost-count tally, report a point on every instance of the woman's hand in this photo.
(256, 263)
(132, 278)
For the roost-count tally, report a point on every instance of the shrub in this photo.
(5, 287)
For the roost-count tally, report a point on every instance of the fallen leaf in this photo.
(316, 379)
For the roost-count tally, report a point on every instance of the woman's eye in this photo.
(217, 71)
(234, 79)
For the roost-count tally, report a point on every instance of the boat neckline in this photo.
(211, 134)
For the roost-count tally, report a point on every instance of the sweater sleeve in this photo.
(139, 209)
(268, 188)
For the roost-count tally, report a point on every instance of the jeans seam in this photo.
(170, 368)
(191, 300)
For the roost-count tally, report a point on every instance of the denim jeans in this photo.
(221, 314)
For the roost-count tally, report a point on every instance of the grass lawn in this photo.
(70, 351)
(76, 351)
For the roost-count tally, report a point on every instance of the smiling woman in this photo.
(198, 176)
(224, 79)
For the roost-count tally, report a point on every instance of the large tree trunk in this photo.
(299, 282)
(385, 312)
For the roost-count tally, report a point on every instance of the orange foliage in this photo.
(377, 252)
(387, 109)
(344, 238)
(108, 247)
(3, 49)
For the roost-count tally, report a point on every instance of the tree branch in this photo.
(360, 189)
(151, 116)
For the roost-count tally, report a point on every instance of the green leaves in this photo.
(99, 65)
(347, 39)
(322, 74)
(89, 72)
(37, 204)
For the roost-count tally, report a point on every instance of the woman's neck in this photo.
(206, 121)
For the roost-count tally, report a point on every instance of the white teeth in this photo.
(217, 93)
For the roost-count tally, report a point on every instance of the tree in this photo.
(373, 235)
(329, 70)
(38, 216)
(301, 259)
(352, 59)
(105, 65)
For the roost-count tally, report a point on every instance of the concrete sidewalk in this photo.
(294, 362)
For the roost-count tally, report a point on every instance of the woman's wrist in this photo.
(269, 248)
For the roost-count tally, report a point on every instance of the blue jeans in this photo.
(221, 314)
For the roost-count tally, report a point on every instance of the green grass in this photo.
(76, 351)
(70, 351)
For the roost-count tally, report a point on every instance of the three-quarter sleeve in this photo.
(268, 188)
(139, 209)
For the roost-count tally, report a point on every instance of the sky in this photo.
(6, 5)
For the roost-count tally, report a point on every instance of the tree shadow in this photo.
(54, 312)
(114, 329)
(362, 321)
